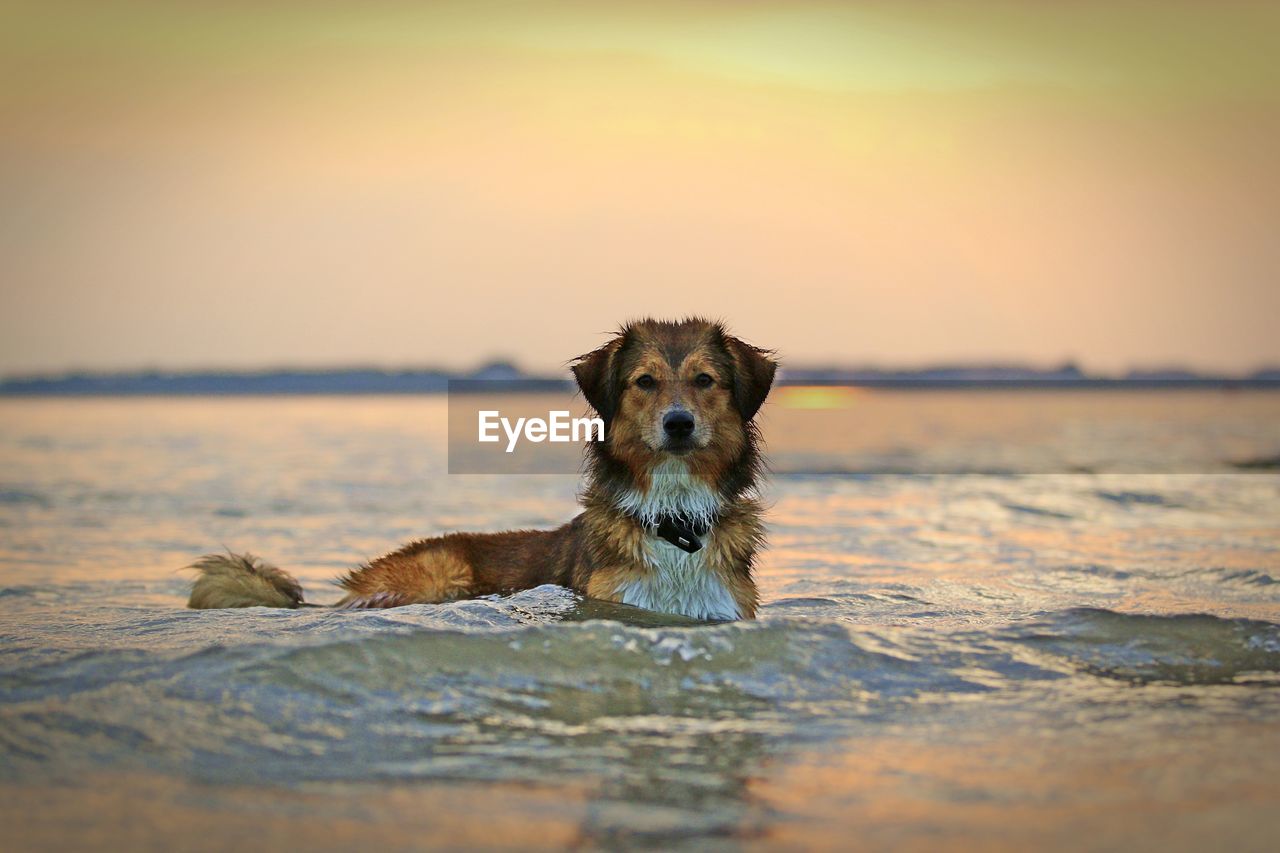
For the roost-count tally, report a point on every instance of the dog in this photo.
(670, 519)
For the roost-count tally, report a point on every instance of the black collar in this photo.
(682, 531)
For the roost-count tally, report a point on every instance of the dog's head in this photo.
(684, 389)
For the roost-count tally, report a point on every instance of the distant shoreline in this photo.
(506, 379)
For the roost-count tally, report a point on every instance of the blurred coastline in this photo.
(507, 378)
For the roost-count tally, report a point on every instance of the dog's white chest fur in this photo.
(678, 582)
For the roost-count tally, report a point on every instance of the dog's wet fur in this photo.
(678, 400)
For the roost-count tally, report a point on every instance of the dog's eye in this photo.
(645, 381)
(704, 380)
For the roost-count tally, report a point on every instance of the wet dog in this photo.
(670, 520)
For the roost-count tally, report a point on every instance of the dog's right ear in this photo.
(596, 377)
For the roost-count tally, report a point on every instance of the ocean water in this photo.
(1043, 620)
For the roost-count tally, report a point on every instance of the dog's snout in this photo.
(678, 424)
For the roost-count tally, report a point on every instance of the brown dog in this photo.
(670, 521)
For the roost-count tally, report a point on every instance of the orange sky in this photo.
(236, 184)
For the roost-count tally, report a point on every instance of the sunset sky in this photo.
(232, 184)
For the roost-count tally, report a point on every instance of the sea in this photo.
(992, 619)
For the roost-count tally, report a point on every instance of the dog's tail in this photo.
(241, 580)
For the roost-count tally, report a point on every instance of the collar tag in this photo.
(678, 533)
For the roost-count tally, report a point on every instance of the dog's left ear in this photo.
(753, 372)
(595, 376)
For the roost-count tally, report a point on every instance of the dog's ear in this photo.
(595, 375)
(753, 371)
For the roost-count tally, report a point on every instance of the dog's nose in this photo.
(678, 424)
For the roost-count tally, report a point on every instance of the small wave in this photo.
(1137, 499)
(802, 603)
(1183, 649)
(1251, 579)
(1248, 576)
(22, 497)
(654, 666)
(1257, 463)
(1039, 511)
(1243, 577)
(1097, 571)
